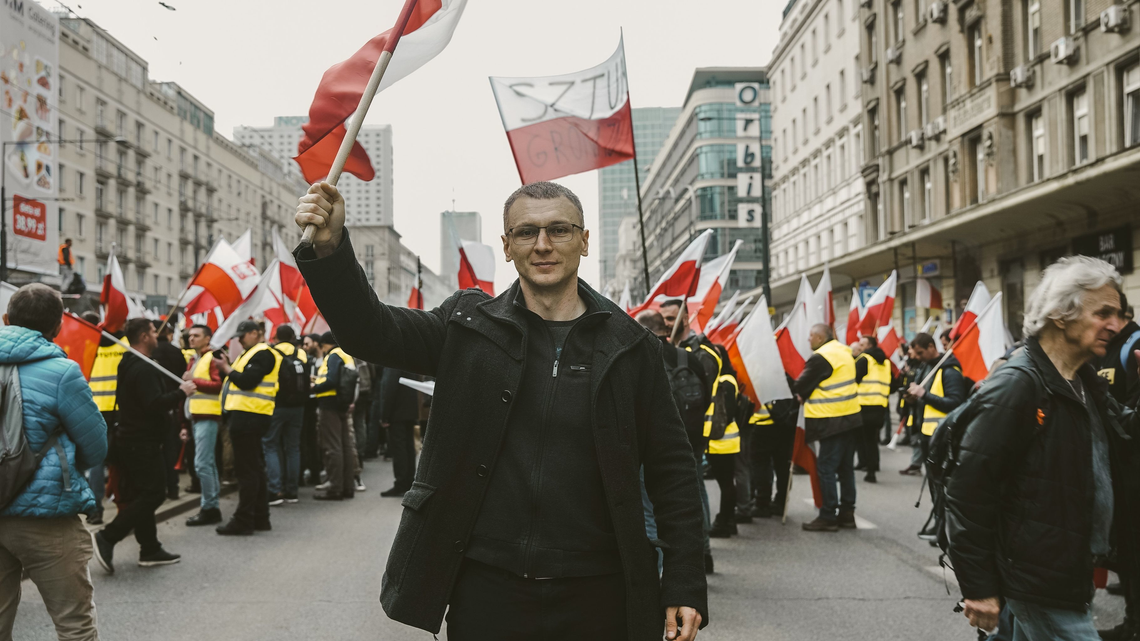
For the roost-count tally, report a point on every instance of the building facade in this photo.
(148, 175)
(367, 203)
(455, 226)
(391, 267)
(617, 186)
(817, 133)
(712, 173)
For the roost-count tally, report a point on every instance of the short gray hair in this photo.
(543, 191)
(1060, 294)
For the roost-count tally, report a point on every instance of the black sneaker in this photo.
(104, 552)
(276, 500)
(395, 491)
(762, 512)
(172, 494)
(723, 528)
(158, 557)
(96, 519)
(742, 517)
(233, 528)
(263, 526)
(871, 478)
(328, 496)
(820, 525)
(205, 517)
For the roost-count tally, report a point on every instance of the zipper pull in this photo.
(555, 369)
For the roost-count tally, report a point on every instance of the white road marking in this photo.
(860, 522)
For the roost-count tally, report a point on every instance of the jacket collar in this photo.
(1053, 379)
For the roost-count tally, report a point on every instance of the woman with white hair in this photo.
(1040, 495)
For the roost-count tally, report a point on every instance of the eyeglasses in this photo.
(557, 233)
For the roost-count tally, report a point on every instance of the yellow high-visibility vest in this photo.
(730, 442)
(875, 388)
(189, 355)
(837, 395)
(761, 417)
(323, 372)
(261, 399)
(105, 375)
(931, 417)
(289, 349)
(201, 403)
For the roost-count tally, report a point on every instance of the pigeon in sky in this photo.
(167, 6)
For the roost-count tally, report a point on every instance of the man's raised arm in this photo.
(364, 326)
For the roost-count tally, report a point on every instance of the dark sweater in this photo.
(145, 401)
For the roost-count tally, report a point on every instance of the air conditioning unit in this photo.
(939, 125)
(916, 138)
(869, 75)
(1021, 76)
(929, 131)
(1114, 19)
(937, 11)
(893, 55)
(1063, 51)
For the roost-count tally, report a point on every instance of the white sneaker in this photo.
(323, 486)
(360, 485)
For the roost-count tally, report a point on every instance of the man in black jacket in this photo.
(873, 376)
(337, 437)
(145, 402)
(167, 354)
(1040, 494)
(400, 410)
(931, 400)
(548, 401)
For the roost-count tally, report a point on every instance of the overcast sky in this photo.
(251, 60)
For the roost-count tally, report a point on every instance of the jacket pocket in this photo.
(417, 496)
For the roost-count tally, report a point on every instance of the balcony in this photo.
(101, 211)
(210, 217)
(141, 222)
(184, 172)
(101, 249)
(141, 260)
(210, 186)
(123, 176)
(183, 204)
(125, 258)
(200, 180)
(141, 184)
(141, 151)
(123, 218)
(103, 169)
(185, 237)
(185, 272)
(102, 128)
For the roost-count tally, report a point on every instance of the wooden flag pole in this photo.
(144, 357)
(791, 473)
(357, 119)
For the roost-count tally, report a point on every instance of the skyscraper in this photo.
(468, 225)
(368, 203)
(617, 191)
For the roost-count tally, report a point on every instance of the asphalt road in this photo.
(316, 576)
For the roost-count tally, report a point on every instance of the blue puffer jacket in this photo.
(54, 393)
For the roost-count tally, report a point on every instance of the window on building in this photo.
(80, 96)
(1037, 156)
(826, 31)
(814, 47)
(783, 86)
(1132, 105)
(946, 184)
(873, 119)
(900, 21)
(827, 100)
(900, 111)
(904, 202)
(919, 11)
(923, 99)
(79, 139)
(839, 13)
(842, 88)
(976, 55)
(1076, 15)
(927, 195)
(828, 171)
(977, 173)
(1032, 28)
(62, 178)
(169, 253)
(1080, 107)
(815, 112)
(803, 60)
(79, 225)
(803, 114)
(872, 43)
(947, 78)
(842, 159)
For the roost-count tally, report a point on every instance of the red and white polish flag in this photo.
(927, 295)
(713, 280)
(428, 31)
(243, 246)
(983, 342)
(792, 339)
(266, 301)
(220, 285)
(889, 340)
(756, 358)
(725, 333)
(881, 306)
(855, 316)
(725, 313)
(821, 309)
(476, 266)
(293, 286)
(116, 304)
(567, 124)
(680, 280)
(979, 300)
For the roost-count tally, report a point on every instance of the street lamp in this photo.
(4, 195)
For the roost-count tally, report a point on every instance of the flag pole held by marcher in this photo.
(357, 119)
(144, 357)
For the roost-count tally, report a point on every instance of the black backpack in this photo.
(688, 393)
(18, 463)
(346, 386)
(292, 380)
(945, 451)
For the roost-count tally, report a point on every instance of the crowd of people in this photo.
(562, 484)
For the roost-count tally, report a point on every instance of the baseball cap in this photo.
(245, 327)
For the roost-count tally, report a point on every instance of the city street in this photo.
(317, 576)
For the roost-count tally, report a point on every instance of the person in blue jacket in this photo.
(56, 400)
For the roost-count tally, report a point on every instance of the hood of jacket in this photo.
(20, 345)
(951, 361)
(876, 353)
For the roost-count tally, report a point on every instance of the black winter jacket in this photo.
(145, 400)
(954, 390)
(477, 351)
(1020, 503)
(398, 402)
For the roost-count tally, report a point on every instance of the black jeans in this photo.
(142, 483)
(744, 500)
(724, 471)
(402, 449)
(872, 416)
(172, 447)
(310, 448)
(489, 604)
(772, 454)
(249, 468)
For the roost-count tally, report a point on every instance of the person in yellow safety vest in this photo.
(336, 434)
(103, 384)
(205, 406)
(931, 400)
(830, 396)
(282, 443)
(873, 377)
(723, 448)
(774, 434)
(248, 399)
